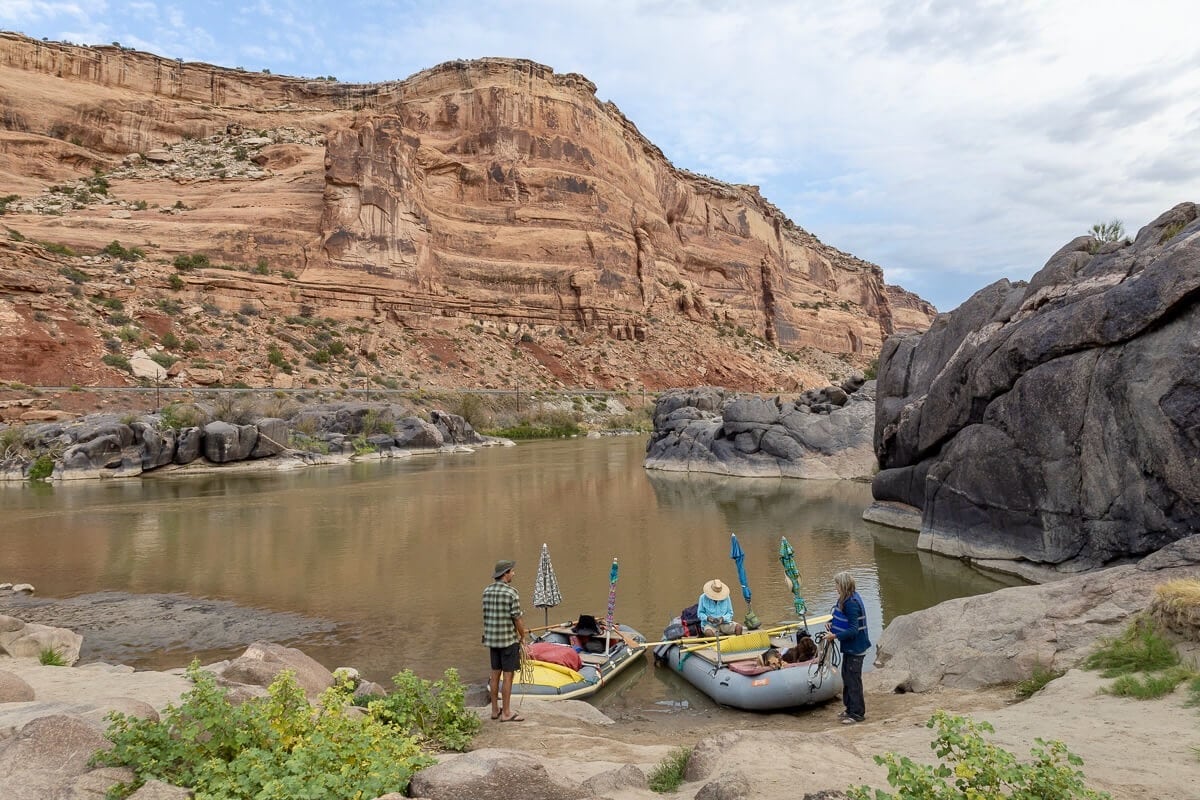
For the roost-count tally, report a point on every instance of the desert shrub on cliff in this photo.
(268, 748)
(971, 767)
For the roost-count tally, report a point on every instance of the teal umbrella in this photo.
(739, 559)
(787, 557)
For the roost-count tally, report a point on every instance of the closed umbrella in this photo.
(612, 604)
(787, 557)
(739, 559)
(545, 586)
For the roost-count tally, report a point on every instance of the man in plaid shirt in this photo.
(503, 632)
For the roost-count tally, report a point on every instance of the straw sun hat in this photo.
(716, 590)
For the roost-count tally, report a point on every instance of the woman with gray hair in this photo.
(849, 625)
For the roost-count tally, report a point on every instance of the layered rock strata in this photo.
(823, 433)
(492, 194)
(1055, 422)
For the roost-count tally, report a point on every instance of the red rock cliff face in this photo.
(491, 196)
(511, 188)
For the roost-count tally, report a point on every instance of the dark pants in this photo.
(852, 688)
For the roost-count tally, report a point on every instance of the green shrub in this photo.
(16, 236)
(186, 263)
(117, 360)
(1139, 648)
(668, 773)
(75, 276)
(4, 201)
(51, 657)
(115, 250)
(178, 416)
(164, 360)
(169, 340)
(175, 282)
(973, 769)
(375, 422)
(272, 748)
(432, 711)
(42, 468)
(57, 249)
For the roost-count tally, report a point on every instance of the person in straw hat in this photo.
(503, 632)
(715, 610)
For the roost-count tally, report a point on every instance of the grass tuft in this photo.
(51, 657)
(1140, 648)
(1037, 681)
(667, 775)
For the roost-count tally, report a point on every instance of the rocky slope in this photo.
(1057, 422)
(480, 222)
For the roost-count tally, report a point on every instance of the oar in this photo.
(821, 620)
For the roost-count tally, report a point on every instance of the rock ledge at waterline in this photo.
(110, 446)
(822, 433)
(51, 718)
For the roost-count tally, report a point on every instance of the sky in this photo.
(952, 142)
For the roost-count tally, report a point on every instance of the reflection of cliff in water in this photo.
(903, 590)
(780, 503)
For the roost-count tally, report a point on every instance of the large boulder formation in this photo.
(1055, 422)
(823, 433)
(1000, 638)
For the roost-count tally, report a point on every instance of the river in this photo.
(395, 553)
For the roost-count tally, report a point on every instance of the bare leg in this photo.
(494, 691)
(507, 683)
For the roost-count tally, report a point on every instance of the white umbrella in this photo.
(545, 585)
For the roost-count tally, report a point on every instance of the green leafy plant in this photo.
(667, 775)
(1101, 232)
(4, 201)
(75, 276)
(268, 748)
(51, 657)
(186, 263)
(375, 422)
(435, 712)
(42, 468)
(971, 768)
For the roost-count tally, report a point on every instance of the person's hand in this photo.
(714, 620)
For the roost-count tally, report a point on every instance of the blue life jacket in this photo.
(851, 629)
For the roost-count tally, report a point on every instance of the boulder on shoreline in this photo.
(821, 433)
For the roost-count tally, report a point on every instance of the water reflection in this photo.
(397, 552)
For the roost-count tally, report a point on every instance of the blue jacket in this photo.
(854, 641)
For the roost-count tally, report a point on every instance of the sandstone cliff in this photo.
(1055, 422)
(492, 195)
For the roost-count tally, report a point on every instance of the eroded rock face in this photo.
(1056, 422)
(824, 433)
(494, 194)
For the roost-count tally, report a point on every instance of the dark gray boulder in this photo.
(188, 444)
(158, 444)
(416, 433)
(706, 429)
(454, 429)
(224, 442)
(272, 438)
(1058, 421)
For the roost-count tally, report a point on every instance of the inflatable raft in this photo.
(556, 671)
(733, 673)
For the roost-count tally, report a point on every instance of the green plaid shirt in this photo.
(501, 605)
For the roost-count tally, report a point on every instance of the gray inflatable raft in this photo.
(740, 680)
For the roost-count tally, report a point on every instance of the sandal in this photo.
(496, 715)
(514, 718)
